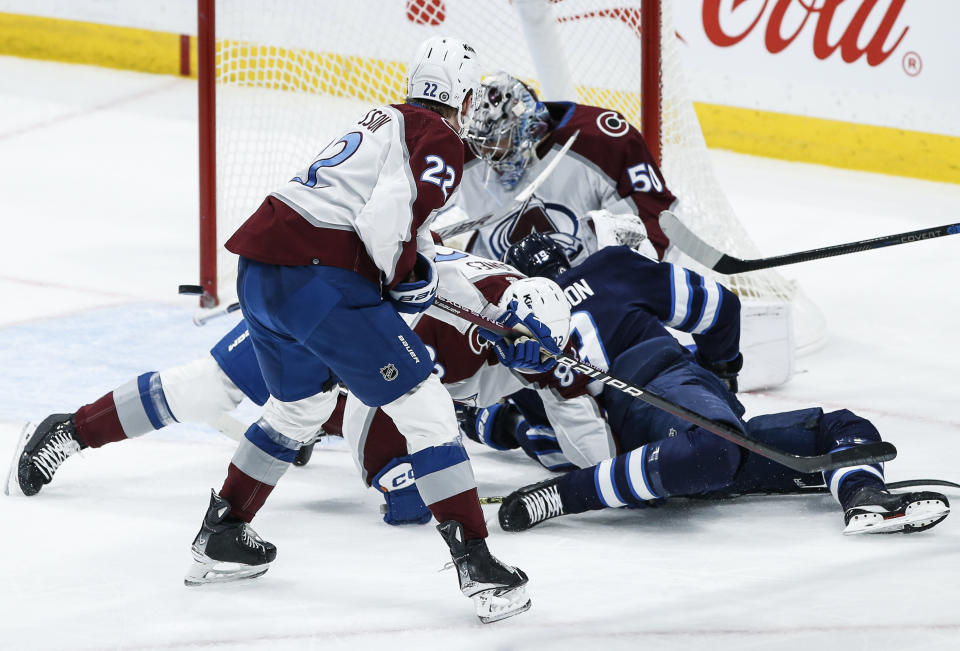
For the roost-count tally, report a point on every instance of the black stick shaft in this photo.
(730, 265)
(869, 453)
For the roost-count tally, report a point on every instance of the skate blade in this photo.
(201, 573)
(494, 605)
(25, 434)
(918, 516)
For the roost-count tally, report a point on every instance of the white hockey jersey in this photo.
(366, 202)
(608, 167)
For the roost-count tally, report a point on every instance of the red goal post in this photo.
(279, 78)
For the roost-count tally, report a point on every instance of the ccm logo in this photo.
(397, 477)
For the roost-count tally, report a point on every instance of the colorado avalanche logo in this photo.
(612, 124)
(538, 217)
(477, 343)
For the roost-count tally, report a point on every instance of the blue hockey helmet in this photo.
(537, 255)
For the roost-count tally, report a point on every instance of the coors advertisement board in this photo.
(893, 63)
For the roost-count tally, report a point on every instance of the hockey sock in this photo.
(690, 463)
(620, 481)
(844, 483)
(843, 429)
(133, 409)
(446, 484)
(260, 461)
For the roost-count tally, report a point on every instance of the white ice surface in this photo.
(98, 191)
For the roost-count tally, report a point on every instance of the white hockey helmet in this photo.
(444, 70)
(547, 302)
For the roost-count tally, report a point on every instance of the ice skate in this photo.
(879, 511)
(529, 506)
(497, 589)
(41, 452)
(227, 550)
(304, 454)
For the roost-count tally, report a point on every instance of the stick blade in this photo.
(687, 241)
(862, 455)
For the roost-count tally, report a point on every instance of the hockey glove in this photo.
(398, 486)
(522, 352)
(541, 444)
(492, 426)
(726, 371)
(416, 296)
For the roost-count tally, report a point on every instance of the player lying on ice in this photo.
(316, 260)
(202, 390)
(624, 323)
(621, 300)
(609, 168)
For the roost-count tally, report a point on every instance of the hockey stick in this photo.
(691, 244)
(523, 196)
(866, 454)
(813, 490)
(202, 316)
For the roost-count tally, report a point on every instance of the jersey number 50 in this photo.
(644, 178)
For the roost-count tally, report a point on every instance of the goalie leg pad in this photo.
(403, 502)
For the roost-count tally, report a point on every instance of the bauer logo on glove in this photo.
(416, 295)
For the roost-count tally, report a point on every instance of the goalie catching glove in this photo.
(414, 296)
(537, 308)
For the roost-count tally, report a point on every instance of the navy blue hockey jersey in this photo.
(619, 298)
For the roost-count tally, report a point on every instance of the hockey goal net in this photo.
(280, 78)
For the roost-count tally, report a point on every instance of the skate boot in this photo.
(227, 550)
(879, 511)
(531, 505)
(40, 454)
(496, 588)
(304, 454)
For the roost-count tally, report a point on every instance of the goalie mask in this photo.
(547, 302)
(506, 124)
(444, 70)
